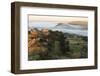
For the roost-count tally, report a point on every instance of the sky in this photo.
(50, 21)
(55, 18)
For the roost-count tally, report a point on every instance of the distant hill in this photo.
(71, 26)
(71, 29)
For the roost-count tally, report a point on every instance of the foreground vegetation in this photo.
(47, 44)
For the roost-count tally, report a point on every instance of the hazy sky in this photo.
(51, 21)
(63, 19)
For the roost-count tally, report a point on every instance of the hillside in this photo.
(47, 44)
